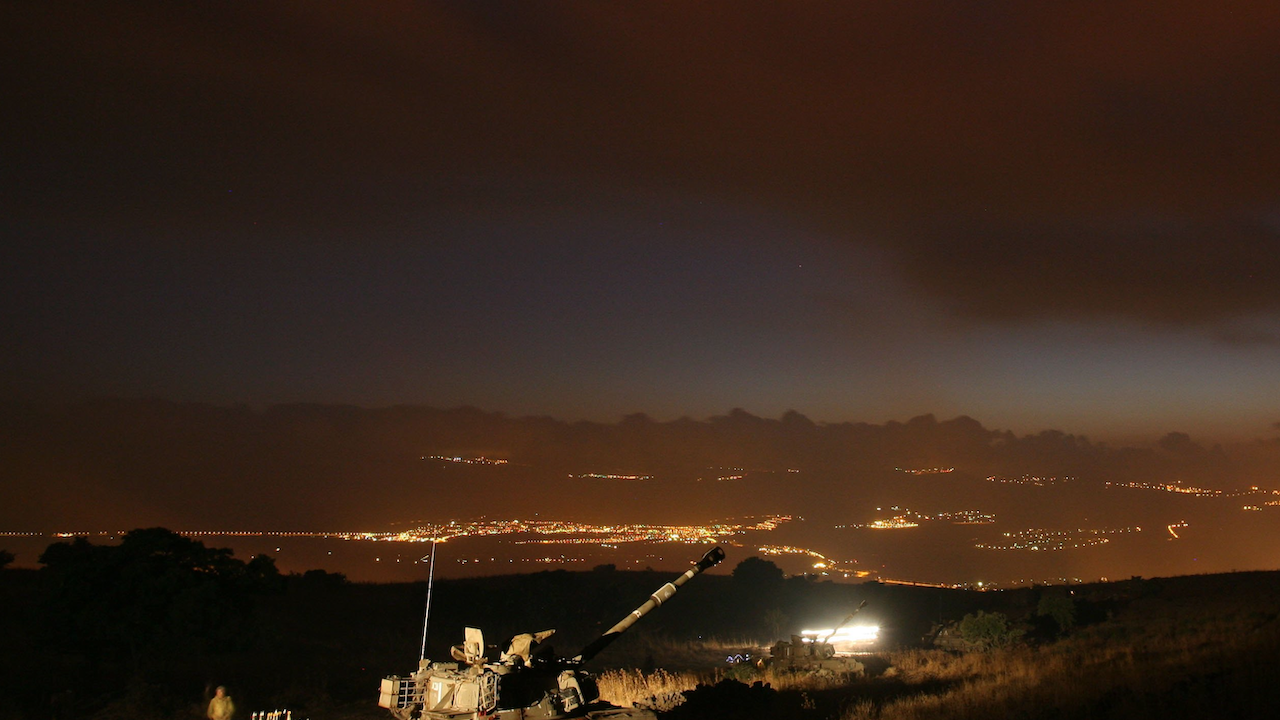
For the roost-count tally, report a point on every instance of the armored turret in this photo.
(525, 681)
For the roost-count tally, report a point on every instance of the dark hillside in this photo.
(317, 644)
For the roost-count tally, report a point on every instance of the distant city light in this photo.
(1038, 539)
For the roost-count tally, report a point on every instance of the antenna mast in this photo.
(426, 617)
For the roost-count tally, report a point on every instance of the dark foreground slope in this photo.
(318, 645)
(1189, 647)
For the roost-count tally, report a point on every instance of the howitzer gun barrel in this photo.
(711, 559)
(844, 622)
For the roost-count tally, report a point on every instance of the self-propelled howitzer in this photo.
(525, 683)
(814, 654)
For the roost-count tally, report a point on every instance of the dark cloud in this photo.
(1161, 272)
(1017, 161)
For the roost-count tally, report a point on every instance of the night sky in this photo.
(1042, 215)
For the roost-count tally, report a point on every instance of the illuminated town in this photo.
(1178, 488)
(904, 518)
(1034, 480)
(474, 460)
(966, 517)
(1037, 539)
(554, 531)
(821, 563)
(610, 476)
(726, 474)
(1173, 487)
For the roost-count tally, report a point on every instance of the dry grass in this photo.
(1172, 660)
(1169, 667)
(660, 690)
(802, 681)
(650, 651)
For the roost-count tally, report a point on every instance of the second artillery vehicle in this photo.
(524, 683)
(813, 655)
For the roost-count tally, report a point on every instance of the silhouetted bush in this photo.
(988, 630)
(1058, 607)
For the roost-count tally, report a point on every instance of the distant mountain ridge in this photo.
(135, 462)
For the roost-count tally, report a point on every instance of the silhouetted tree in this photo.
(755, 573)
(316, 579)
(155, 596)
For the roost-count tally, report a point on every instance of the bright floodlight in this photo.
(853, 635)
